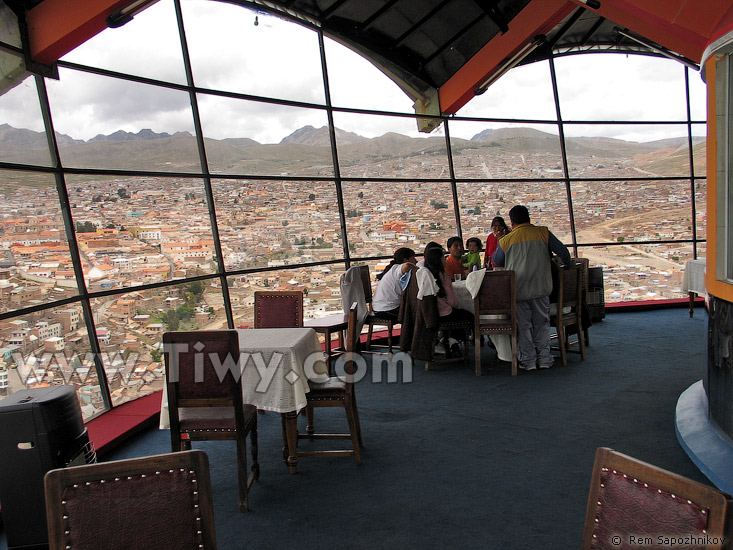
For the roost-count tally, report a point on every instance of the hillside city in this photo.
(133, 231)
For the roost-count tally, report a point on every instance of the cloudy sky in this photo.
(279, 59)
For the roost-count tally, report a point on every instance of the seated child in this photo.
(473, 257)
(453, 265)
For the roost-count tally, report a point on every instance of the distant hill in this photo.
(307, 150)
(319, 137)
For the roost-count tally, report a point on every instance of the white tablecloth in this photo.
(502, 342)
(693, 279)
(274, 378)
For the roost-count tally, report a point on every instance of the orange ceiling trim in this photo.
(539, 17)
(663, 22)
(56, 27)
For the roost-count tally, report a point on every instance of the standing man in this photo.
(526, 251)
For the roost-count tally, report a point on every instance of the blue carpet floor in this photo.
(453, 460)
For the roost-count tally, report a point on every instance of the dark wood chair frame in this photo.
(569, 288)
(373, 318)
(286, 297)
(244, 416)
(336, 393)
(718, 505)
(191, 486)
(497, 296)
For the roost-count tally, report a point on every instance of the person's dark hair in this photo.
(432, 244)
(452, 240)
(498, 220)
(434, 264)
(400, 256)
(474, 240)
(519, 214)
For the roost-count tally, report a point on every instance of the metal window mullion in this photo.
(204, 166)
(693, 204)
(73, 245)
(334, 151)
(453, 184)
(563, 153)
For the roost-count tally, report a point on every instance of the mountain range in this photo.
(306, 151)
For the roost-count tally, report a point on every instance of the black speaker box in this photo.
(40, 429)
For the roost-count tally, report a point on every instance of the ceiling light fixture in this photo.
(120, 17)
(509, 63)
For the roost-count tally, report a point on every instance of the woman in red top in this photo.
(499, 228)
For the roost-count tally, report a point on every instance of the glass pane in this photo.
(319, 284)
(254, 231)
(22, 131)
(372, 89)
(383, 146)
(249, 137)
(234, 48)
(381, 218)
(130, 127)
(480, 202)
(50, 347)
(134, 231)
(491, 150)
(625, 150)
(148, 46)
(524, 92)
(130, 330)
(603, 215)
(698, 97)
(35, 264)
(701, 205)
(621, 87)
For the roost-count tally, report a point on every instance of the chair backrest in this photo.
(366, 284)
(202, 370)
(498, 294)
(278, 309)
(155, 502)
(630, 498)
(567, 286)
(584, 265)
(201, 364)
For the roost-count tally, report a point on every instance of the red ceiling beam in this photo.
(56, 27)
(539, 17)
(682, 26)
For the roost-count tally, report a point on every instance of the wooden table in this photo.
(275, 364)
(336, 323)
(693, 280)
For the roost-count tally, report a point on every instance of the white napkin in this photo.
(426, 285)
(474, 280)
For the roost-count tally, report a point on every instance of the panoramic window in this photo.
(172, 202)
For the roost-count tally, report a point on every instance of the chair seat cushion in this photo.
(213, 418)
(332, 388)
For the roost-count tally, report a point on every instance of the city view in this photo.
(144, 230)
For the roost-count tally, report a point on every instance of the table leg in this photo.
(692, 302)
(290, 440)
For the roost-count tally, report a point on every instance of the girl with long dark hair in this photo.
(388, 294)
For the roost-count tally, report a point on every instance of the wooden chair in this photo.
(337, 391)
(156, 502)
(629, 499)
(278, 309)
(568, 288)
(204, 384)
(373, 318)
(584, 265)
(496, 297)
